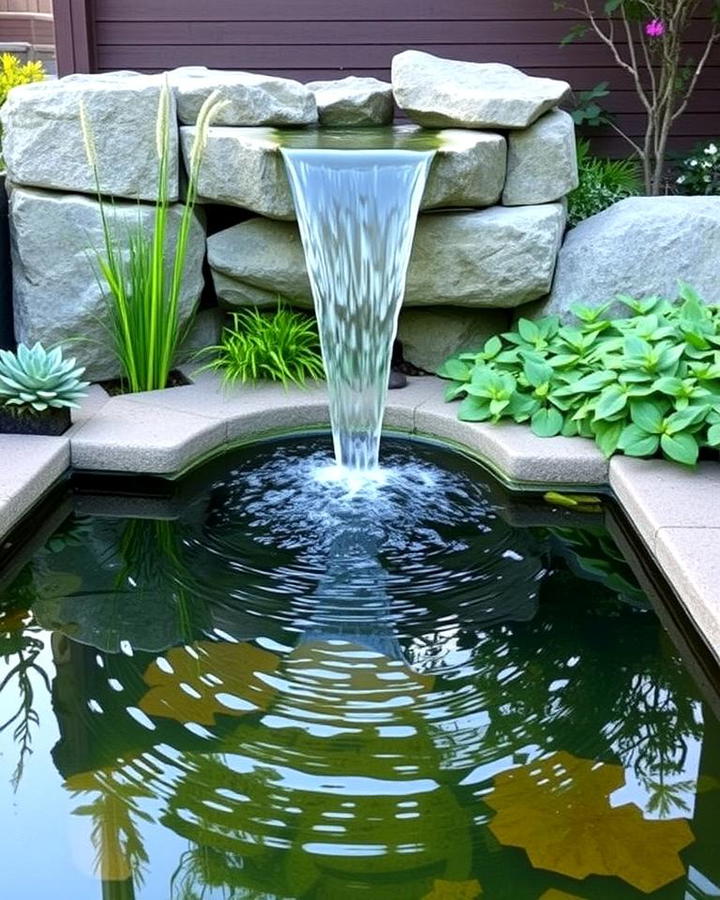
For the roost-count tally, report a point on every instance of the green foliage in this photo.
(35, 380)
(602, 183)
(13, 72)
(645, 385)
(144, 277)
(699, 172)
(280, 346)
(587, 110)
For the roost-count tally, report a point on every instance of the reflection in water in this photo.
(286, 692)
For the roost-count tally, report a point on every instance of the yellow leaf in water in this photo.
(213, 678)
(558, 810)
(554, 894)
(454, 890)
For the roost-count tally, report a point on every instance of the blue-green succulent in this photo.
(35, 379)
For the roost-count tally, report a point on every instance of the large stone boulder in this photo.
(244, 167)
(57, 291)
(353, 101)
(498, 257)
(250, 99)
(439, 92)
(542, 161)
(43, 141)
(430, 335)
(640, 246)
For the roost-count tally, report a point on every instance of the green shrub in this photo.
(699, 172)
(13, 72)
(281, 346)
(34, 380)
(602, 183)
(644, 384)
(145, 313)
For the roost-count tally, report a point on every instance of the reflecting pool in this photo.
(267, 685)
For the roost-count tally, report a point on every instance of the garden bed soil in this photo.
(115, 386)
(49, 422)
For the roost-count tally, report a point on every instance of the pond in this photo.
(256, 684)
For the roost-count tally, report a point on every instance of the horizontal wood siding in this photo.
(26, 6)
(315, 39)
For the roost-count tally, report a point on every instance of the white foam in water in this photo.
(357, 211)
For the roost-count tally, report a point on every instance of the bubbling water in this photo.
(357, 212)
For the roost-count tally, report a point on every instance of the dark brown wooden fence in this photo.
(311, 39)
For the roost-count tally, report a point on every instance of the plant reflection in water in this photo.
(250, 707)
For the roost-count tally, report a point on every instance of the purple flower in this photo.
(655, 28)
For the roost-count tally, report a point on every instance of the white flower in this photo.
(711, 149)
(680, 180)
(693, 163)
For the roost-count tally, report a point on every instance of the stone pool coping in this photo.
(674, 510)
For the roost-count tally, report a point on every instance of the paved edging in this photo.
(675, 510)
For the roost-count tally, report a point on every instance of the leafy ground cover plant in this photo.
(602, 183)
(642, 385)
(145, 302)
(699, 171)
(281, 346)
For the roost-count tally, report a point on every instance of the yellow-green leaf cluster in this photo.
(14, 72)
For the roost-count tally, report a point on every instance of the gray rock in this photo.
(57, 296)
(468, 169)
(244, 167)
(498, 257)
(43, 141)
(252, 99)
(640, 246)
(446, 92)
(353, 101)
(204, 332)
(431, 335)
(542, 161)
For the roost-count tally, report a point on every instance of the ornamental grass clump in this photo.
(643, 385)
(281, 346)
(143, 275)
(34, 380)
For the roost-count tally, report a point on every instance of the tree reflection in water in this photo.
(323, 731)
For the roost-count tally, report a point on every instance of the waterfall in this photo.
(357, 211)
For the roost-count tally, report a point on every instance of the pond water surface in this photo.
(267, 687)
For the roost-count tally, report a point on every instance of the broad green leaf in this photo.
(607, 436)
(685, 418)
(492, 347)
(455, 369)
(474, 409)
(681, 447)
(648, 416)
(547, 422)
(454, 390)
(673, 387)
(713, 435)
(536, 371)
(497, 407)
(528, 330)
(636, 442)
(612, 401)
(589, 383)
(522, 407)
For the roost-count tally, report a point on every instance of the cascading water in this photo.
(357, 211)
